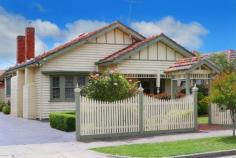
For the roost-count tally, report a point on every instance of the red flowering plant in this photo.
(109, 86)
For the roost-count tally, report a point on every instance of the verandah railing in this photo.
(137, 115)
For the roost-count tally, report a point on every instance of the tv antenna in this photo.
(131, 3)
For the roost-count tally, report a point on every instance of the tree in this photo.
(109, 86)
(224, 94)
(222, 61)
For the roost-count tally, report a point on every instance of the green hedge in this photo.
(6, 109)
(64, 121)
(2, 104)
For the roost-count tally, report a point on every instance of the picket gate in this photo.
(219, 117)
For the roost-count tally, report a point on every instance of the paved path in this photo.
(36, 139)
(80, 149)
(15, 131)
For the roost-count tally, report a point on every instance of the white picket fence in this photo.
(138, 115)
(99, 117)
(218, 117)
(168, 114)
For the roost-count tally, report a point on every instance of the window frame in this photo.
(8, 87)
(62, 85)
(51, 89)
(65, 87)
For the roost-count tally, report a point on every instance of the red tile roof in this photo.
(1, 75)
(81, 37)
(185, 64)
(127, 49)
(60, 47)
(132, 47)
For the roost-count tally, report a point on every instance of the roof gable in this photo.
(190, 64)
(134, 48)
(78, 41)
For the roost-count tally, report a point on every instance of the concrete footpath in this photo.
(81, 149)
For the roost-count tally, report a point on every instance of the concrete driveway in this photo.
(16, 131)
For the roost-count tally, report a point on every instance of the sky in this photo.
(203, 25)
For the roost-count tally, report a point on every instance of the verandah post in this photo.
(141, 103)
(195, 98)
(77, 104)
(187, 84)
(172, 88)
(210, 104)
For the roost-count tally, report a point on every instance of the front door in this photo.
(148, 84)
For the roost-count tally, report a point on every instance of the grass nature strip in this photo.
(165, 149)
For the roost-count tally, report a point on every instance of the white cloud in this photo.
(81, 26)
(188, 34)
(13, 25)
(46, 28)
(72, 30)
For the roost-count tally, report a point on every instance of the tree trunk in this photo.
(234, 128)
(232, 113)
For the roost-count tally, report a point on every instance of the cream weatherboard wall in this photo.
(16, 99)
(154, 59)
(84, 57)
(13, 98)
(43, 103)
(80, 59)
(29, 94)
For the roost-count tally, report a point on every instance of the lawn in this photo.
(203, 120)
(171, 148)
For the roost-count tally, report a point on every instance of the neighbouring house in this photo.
(39, 85)
(2, 86)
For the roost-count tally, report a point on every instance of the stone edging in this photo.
(209, 154)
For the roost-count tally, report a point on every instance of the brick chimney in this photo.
(29, 43)
(20, 57)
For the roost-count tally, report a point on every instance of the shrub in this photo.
(2, 104)
(6, 109)
(64, 121)
(109, 86)
(203, 99)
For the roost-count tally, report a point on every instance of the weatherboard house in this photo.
(38, 85)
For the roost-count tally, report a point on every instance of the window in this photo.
(62, 87)
(8, 87)
(55, 87)
(81, 80)
(69, 87)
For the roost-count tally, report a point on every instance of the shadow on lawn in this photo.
(228, 140)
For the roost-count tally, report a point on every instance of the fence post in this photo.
(195, 97)
(141, 102)
(77, 103)
(210, 104)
